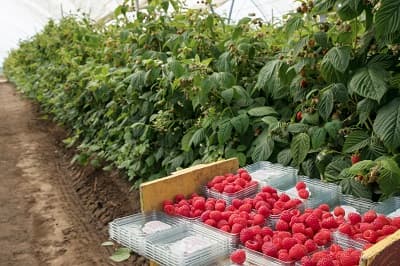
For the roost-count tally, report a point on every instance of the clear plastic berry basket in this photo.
(169, 247)
(247, 192)
(131, 231)
(320, 192)
(275, 175)
(389, 207)
(347, 242)
(231, 240)
(361, 205)
(258, 258)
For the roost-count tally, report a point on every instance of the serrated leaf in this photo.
(339, 92)
(284, 157)
(365, 107)
(271, 121)
(318, 137)
(362, 167)
(292, 24)
(349, 9)
(387, 124)
(227, 95)
(369, 82)
(321, 38)
(387, 18)
(325, 105)
(264, 149)
(297, 128)
(121, 254)
(138, 80)
(334, 168)
(241, 123)
(262, 111)
(224, 132)
(223, 79)
(322, 6)
(198, 136)
(338, 57)
(357, 140)
(330, 74)
(351, 186)
(187, 140)
(389, 176)
(299, 147)
(333, 127)
(224, 62)
(268, 72)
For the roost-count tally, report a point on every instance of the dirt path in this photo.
(43, 220)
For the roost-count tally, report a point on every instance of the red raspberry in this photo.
(338, 211)
(253, 244)
(269, 249)
(329, 223)
(326, 215)
(346, 259)
(303, 193)
(268, 189)
(205, 215)
(301, 238)
(256, 229)
(396, 222)
(246, 207)
(389, 229)
(282, 225)
(246, 234)
(325, 262)
(298, 228)
(221, 223)
(225, 228)
(309, 232)
(324, 207)
(219, 187)
(199, 204)
(313, 222)
(211, 222)
(366, 226)
(370, 235)
(258, 219)
(300, 185)
(288, 242)
(286, 216)
(218, 179)
(167, 202)
(238, 256)
(216, 215)
(245, 176)
(266, 231)
(236, 228)
(219, 206)
(284, 256)
(306, 261)
(369, 216)
(320, 239)
(297, 252)
(384, 220)
(184, 210)
(317, 256)
(196, 213)
(345, 229)
(317, 212)
(354, 218)
(284, 197)
(310, 245)
(335, 248)
(179, 197)
(229, 189)
(237, 203)
(169, 209)
(377, 224)
(264, 211)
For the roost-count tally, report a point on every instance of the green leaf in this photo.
(269, 72)
(369, 82)
(284, 157)
(223, 79)
(299, 147)
(293, 24)
(224, 132)
(138, 80)
(241, 123)
(387, 18)
(329, 73)
(271, 121)
(262, 111)
(325, 105)
(187, 140)
(362, 167)
(339, 91)
(357, 140)
(349, 9)
(322, 6)
(318, 137)
(198, 136)
(389, 176)
(298, 128)
(333, 128)
(321, 38)
(351, 186)
(387, 124)
(334, 168)
(224, 62)
(227, 95)
(264, 148)
(365, 107)
(338, 57)
(121, 254)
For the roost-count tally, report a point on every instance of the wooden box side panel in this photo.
(384, 253)
(183, 182)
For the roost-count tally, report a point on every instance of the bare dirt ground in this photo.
(52, 213)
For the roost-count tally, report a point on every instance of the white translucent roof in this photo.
(20, 19)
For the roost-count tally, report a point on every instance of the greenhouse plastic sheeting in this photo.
(20, 19)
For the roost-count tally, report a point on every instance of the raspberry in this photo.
(335, 248)
(258, 219)
(282, 225)
(238, 256)
(313, 222)
(221, 223)
(245, 176)
(389, 229)
(196, 213)
(169, 209)
(306, 261)
(370, 235)
(310, 245)
(216, 215)
(326, 215)
(218, 179)
(346, 259)
(297, 252)
(300, 185)
(329, 223)
(268, 189)
(236, 228)
(317, 256)
(240, 220)
(286, 216)
(253, 244)
(366, 226)
(225, 228)
(309, 232)
(269, 249)
(377, 224)
(300, 237)
(211, 222)
(303, 193)
(298, 228)
(246, 207)
(288, 242)
(184, 210)
(321, 238)
(167, 202)
(237, 203)
(219, 187)
(256, 229)
(283, 234)
(354, 218)
(219, 206)
(317, 212)
(396, 222)
(264, 211)
(179, 197)
(383, 219)
(324, 207)
(325, 262)
(338, 211)
(266, 231)
(345, 229)
(246, 234)
(369, 216)
(229, 189)
(199, 204)
(284, 256)
(284, 197)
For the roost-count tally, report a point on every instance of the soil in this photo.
(52, 212)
